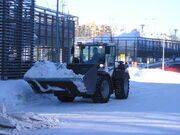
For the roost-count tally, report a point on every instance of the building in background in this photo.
(92, 30)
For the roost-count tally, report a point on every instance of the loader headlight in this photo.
(101, 65)
(77, 47)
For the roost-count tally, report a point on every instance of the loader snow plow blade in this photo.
(66, 86)
(48, 85)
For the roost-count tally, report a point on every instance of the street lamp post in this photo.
(175, 32)
(142, 30)
(57, 48)
(163, 54)
(163, 49)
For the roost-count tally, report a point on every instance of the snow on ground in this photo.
(14, 122)
(14, 93)
(152, 108)
(155, 76)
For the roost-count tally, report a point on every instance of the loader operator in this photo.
(96, 56)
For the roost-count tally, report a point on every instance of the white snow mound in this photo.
(47, 69)
(15, 93)
(154, 76)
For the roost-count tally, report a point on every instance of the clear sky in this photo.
(159, 16)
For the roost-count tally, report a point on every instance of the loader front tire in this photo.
(65, 98)
(103, 90)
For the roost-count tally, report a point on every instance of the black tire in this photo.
(103, 90)
(122, 88)
(65, 98)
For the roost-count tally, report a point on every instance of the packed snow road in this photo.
(152, 108)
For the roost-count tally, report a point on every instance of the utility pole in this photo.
(57, 48)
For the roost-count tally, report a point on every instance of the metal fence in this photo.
(138, 49)
(45, 34)
(16, 37)
(28, 34)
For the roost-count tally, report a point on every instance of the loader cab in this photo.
(98, 53)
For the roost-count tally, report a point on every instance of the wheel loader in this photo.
(102, 75)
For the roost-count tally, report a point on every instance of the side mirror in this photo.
(107, 50)
(72, 50)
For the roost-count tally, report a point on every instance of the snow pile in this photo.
(14, 93)
(154, 75)
(20, 121)
(133, 71)
(47, 69)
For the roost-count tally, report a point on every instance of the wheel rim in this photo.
(126, 86)
(105, 89)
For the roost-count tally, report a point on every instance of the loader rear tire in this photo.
(65, 98)
(122, 90)
(103, 90)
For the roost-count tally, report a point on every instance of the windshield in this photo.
(91, 54)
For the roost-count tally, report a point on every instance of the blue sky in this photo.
(159, 16)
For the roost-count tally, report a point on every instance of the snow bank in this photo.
(154, 75)
(14, 93)
(47, 69)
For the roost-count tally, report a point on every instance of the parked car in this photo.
(174, 67)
